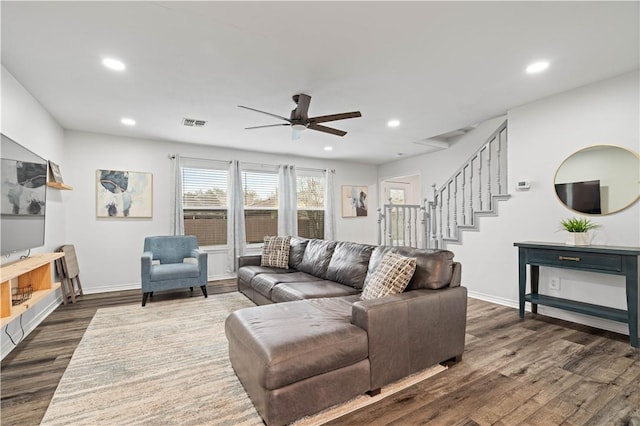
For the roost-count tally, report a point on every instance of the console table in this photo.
(602, 259)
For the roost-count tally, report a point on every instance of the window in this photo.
(310, 192)
(260, 191)
(204, 202)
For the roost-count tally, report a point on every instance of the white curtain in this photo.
(287, 201)
(329, 207)
(177, 218)
(236, 235)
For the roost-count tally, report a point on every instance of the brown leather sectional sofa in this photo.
(324, 345)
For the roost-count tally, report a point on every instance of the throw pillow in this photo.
(390, 277)
(275, 252)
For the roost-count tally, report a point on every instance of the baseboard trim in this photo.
(136, 286)
(590, 321)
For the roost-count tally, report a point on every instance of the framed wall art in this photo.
(54, 172)
(124, 194)
(354, 201)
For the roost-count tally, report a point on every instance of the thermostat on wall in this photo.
(523, 185)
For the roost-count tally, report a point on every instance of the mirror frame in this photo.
(555, 177)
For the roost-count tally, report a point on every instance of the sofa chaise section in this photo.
(293, 368)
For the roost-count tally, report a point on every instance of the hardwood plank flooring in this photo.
(537, 371)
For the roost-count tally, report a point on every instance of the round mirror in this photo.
(599, 180)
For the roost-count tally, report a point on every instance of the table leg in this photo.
(535, 278)
(632, 299)
(522, 278)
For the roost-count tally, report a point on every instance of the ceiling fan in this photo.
(300, 120)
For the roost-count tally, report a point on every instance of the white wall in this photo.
(541, 135)
(109, 249)
(28, 123)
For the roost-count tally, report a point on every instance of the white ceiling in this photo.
(436, 66)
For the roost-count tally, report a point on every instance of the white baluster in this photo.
(480, 180)
(455, 204)
(489, 198)
(380, 232)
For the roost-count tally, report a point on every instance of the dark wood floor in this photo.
(539, 371)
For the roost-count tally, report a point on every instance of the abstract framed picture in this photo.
(124, 194)
(354, 201)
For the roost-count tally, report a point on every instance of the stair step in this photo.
(501, 196)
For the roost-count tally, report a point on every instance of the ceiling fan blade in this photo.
(264, 112)
(327, 129)
(334, 117)
(302, 110)
(267, 125)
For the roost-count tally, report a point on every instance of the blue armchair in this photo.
(181, 264)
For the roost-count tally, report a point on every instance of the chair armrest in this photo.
(411, 331)
(203, 265)
(145, 267)
(253, 260)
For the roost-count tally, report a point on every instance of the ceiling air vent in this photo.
(192, 122)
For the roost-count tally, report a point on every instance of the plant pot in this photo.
(577, 239)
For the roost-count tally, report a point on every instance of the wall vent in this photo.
(192, 122)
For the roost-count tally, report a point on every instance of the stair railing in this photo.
(469, 193)
(403, 225)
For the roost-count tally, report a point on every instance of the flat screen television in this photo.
(23, 197)
(582, 197)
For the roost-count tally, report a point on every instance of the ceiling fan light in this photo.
(298, 127)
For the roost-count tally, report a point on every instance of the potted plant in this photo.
(578, 228)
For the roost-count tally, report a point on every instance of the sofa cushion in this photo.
(349, 264)
(297, 246)
(390, 277)
(321, 334)
(433, 266)
(264, 283)
(316, 258)
(275, 252)
(246, 273)
(286, 292)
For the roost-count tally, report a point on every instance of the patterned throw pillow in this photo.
(275, 252)
(390, 277)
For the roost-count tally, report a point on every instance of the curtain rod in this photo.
(173, 157)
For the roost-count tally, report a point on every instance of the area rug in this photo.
(166, 364)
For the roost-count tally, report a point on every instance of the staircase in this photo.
(471, 192)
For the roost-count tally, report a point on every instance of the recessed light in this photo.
(128, 121)
(113, 64)
(328, 148)
(537, 67)
(393, 123)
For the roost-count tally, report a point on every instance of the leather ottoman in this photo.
(297, 358)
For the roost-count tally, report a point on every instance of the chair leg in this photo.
(63, 289)
(72, 290)
(204, 290)
(80, 292)
(144, 298)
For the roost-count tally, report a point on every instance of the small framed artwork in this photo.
(354, 201)
(54, 170)
(124, 194)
